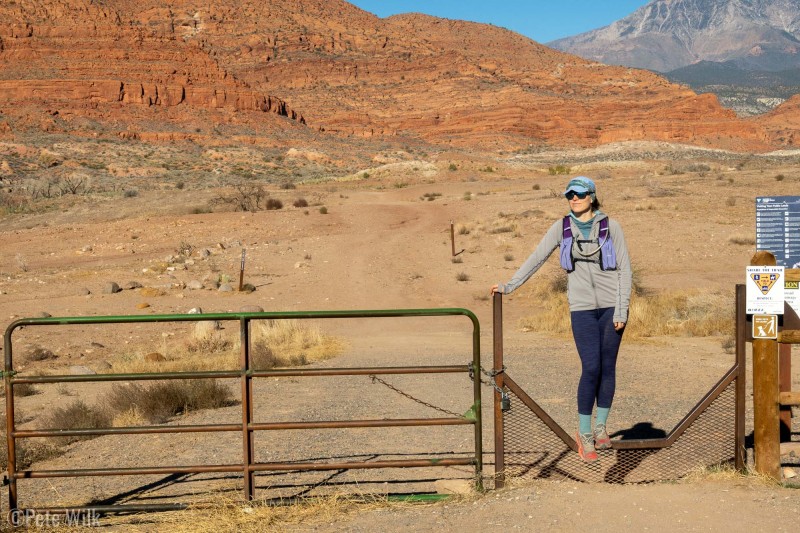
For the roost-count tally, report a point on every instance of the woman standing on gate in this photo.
(593, 253)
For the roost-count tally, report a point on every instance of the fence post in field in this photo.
(497, 338)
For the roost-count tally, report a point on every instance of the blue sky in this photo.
(541, 20)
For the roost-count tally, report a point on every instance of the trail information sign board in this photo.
(778, 228)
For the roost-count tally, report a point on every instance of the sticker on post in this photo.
(765, 326)
(765, 290)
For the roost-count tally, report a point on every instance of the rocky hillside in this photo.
(274, 69)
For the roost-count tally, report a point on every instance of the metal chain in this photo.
(505, 398)
(491, 374)
(426, 404)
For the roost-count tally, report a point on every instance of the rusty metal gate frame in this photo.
(248, 466)
(731, 384)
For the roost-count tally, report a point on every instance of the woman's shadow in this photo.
(630, 459)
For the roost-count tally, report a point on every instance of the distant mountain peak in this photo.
(668, 34)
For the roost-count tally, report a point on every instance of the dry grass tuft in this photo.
(681, 313)
(130, 418)
(676, 313)
(728, 473)
(207, 339)
(236, 516)
(280, 343)
(277, 343)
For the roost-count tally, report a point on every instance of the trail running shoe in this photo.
(601, 439)
(586, 447)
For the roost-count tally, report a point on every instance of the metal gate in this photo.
(248, 466)
(530, 444)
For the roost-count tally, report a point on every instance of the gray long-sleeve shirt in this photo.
(588, 286)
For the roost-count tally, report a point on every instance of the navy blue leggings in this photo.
(598, 344)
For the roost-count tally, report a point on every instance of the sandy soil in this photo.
(382, 245)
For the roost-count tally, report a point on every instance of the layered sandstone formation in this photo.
(175, 68)
(84, 58)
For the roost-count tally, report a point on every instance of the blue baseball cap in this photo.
(581, 184)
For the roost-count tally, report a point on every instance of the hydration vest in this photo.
(608, 257)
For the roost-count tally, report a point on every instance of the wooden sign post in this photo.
(766, 397)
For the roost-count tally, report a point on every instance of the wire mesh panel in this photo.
(536, 448)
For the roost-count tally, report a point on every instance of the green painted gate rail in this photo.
(248, 467)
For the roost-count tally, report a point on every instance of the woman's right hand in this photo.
(495, 289)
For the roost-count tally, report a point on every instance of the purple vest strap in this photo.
(608, 257)
(566, 246)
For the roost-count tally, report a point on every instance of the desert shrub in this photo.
(742, 239)
(245, 197)
(654, 190)
(274, 204)
(728, 344)
(400, 184)
(77, 415)
(22, 390)
(13, 203)
(185, 249)
(264, 358)
(780, 177)
(502, 229)
(286, 185)
(558, 282)
(508, 257)
(457, 259)
(29, 451)
(730, 201)
(430, 196)
(536, 187)
(467, 196)
(159, 402)
(130, 193)
(452, 167)
(39, 354)
(323, 210)
(462, 276)
(558, 170)
(300, 202)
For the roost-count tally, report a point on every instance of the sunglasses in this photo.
(572, 194)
